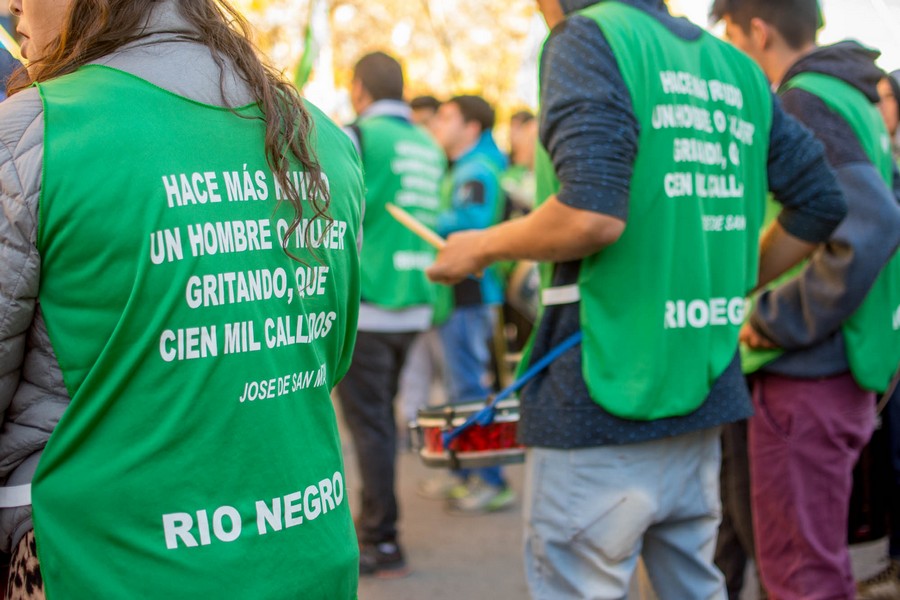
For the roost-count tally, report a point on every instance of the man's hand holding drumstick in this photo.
(455, 251)
(553, 232)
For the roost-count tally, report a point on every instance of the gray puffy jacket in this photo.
(32, 393)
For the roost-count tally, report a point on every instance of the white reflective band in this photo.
(17, 495)
(564, 294)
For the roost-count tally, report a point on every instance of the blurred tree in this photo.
(446, 46)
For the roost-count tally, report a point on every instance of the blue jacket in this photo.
(476, 202)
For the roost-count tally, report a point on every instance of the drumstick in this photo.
(414, 225)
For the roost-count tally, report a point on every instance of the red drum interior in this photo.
(497, 436)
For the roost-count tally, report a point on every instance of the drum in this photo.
(478, 446)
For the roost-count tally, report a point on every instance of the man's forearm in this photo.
(554, 232)
(778, 252)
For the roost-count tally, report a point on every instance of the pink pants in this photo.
(804, 439)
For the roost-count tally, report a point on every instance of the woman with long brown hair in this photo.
(179, 290)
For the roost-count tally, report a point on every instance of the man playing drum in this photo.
(659, 144)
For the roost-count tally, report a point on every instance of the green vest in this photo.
(661, 308)
(200, 449)
(872, 333)
(404, 166)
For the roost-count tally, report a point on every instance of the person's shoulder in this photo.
(476, 167)
(573, 33)
(329, 135)
(20, 117)
(21, 156)
(339, 159)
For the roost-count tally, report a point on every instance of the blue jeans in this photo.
(466, 336)
(590, 512)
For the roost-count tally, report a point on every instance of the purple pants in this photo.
(804, 439)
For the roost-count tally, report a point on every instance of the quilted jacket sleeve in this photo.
(20, 146)
(32, 393)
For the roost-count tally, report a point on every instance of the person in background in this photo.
(623, 430)
(735, 547)
(826, 335)
(424, 362)
(179, 289)
(463, 127)
(518, 180)
(8, 65)
(522, 278)
(423, 110)
(403, 166)
(889, 105)
(885, 585)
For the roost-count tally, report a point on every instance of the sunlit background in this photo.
(476, 46)
(489, 47)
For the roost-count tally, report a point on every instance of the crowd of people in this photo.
(198, 266)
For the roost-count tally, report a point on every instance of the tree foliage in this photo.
(446, 46)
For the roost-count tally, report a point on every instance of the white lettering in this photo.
(266, 516)
(173, 197)
(678, 185)
(178, 525)
(292, 509)
(699, 313)
(219, 529)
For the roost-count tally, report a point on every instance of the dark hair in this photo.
(893, 79)
(95, 28)
(796, 20)
(381, 75)
(475, 108)
(425, 102)
(521, 117)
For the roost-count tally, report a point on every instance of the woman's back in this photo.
(200, 450)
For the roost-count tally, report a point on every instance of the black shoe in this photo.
(384, 560)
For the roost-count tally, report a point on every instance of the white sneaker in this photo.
(442, 487)
(482, 498)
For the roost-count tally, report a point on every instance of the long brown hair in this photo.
(96, 28)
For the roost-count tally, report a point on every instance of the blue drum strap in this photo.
(485, 416)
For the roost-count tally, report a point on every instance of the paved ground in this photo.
(480, 557)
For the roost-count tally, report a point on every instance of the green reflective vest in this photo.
(403, 166)
(872, 332)
(200, 450)
(661, 308)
